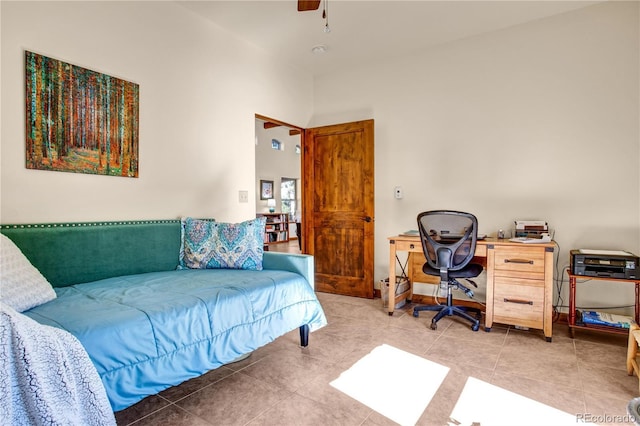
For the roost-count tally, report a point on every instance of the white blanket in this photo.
(46, 376)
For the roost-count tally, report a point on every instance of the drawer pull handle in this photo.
(530, 262)
(411, 246)
(518, 301)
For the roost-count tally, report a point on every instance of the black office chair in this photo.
(449, 243)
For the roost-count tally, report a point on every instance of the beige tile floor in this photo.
(284, 384)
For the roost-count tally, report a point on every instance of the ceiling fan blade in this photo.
(304, 5)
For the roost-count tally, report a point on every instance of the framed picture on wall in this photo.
(266, 189)
(79, 120)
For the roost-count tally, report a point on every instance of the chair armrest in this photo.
(299, 263)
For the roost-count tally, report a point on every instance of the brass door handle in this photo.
(518, 301)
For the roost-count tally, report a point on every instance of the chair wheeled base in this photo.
(450, 310)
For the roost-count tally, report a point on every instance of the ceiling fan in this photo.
(304, 5)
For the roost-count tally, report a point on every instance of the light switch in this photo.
(243, 196)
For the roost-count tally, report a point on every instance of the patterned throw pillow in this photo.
(218, 245)
(183, 224)
(22, 286)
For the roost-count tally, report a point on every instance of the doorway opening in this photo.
(279, 161)
(334, 200)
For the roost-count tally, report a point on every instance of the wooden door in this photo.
(338, 202)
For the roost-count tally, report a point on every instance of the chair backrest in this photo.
(448, 238)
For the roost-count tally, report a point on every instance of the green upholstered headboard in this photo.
(73, 253)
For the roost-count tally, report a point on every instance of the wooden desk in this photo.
(519, 280)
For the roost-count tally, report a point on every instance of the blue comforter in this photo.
(148, 332)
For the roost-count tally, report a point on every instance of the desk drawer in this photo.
(522, 262)
(519, 302)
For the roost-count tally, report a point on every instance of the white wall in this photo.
(200, 89)
(539, 121)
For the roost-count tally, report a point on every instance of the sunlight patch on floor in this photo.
(395, 383)
(483, 404)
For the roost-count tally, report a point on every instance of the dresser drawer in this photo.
(519, 302)
(519, 261)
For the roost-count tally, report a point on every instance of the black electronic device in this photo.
(605, 263)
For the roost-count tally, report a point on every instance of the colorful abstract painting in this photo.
(79, 120)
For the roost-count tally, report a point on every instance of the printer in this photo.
(605, 263)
